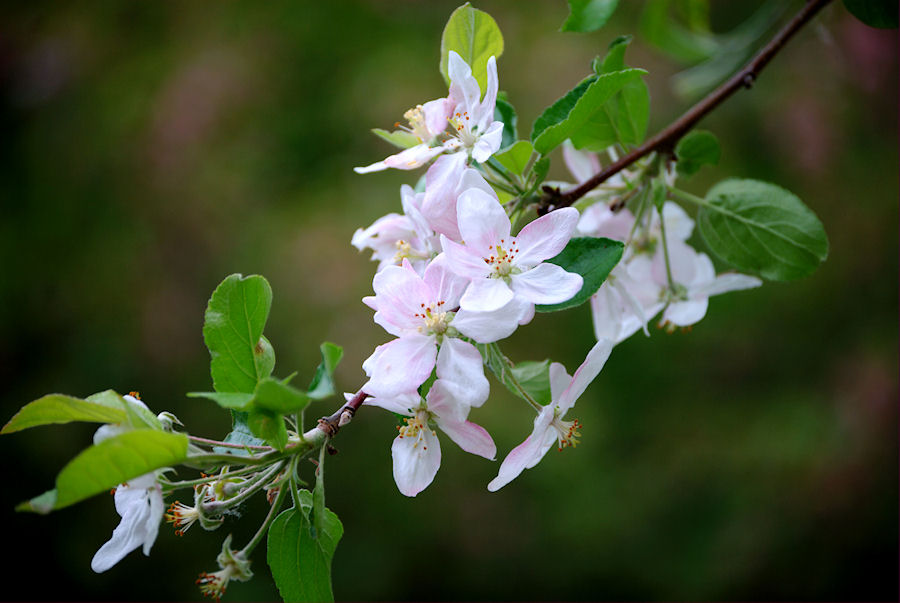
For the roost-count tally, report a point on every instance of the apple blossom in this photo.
(549, 426)
(426, 122)
(502, 267)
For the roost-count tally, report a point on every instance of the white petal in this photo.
(546, 284)
(527, 454)
(472, 438)
(139, 526)
(487, 327)
(445, 285)
(488, 143)
(686, 313)
(559, 380)
(585, 374)
(724, 283)
(416, 461)
(486, 110)
(402, 404)
(679, 225)
(463, 260)
(545, 237)
(582, 164)
(436, 114)
(459, 363)
(486, 295)
(441, 191)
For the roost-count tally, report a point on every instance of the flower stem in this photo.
(270, 517)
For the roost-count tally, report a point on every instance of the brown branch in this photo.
(665, 141)
(331, 424)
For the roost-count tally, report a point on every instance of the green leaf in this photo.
(322, 384)
(240, 434)
(588, 15)
(540, 170)
(760, 228)
(685, 44)
(274, 396)
(300, 556)
(505, 112)
(593, 258)
(234, 322)
(874, 13)
(231, 400)
(398, 138)
(516, 157)
(534, 377)
(268, 426)
(474, 36)
(58, 408)
(111, 462)
(695, 149)
(568, 116)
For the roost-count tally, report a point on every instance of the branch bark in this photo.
(665, 141)
(331, 424)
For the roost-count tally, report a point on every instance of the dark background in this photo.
(151, 149)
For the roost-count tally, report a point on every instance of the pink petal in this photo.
(528, 453)
(463, 260)
(487, 327)
(441, 191)
(399, 294)
(401, 404)
(545, 237)
(400, 366)
(482, 220)
(582, 164)
(546, 284)
(470, 437)
(444, 285)
(436, 114)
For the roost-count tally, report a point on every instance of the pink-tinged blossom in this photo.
(423, 312)
(426, 123)
(550, 426)
(445, 180)
(416, 450)
(502, 267)
(395, 237)
(461, 123)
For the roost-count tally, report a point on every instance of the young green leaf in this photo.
(240, 434)
(874, 13)
(230, 400)
(475, 37)
(279, 398)
(506, 113)
(568, 116)
(300, 556)
(398, 138)
(516, 157)
(111, 462)
(234, 322)
(697, 148)
(762, 229)
(588, 15)
(534, 378)
(58, 408)
(322, 384)
(592, 258)
(268, 426)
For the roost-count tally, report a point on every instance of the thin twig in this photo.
(665, 141)
(331, 424)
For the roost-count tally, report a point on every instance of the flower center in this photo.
(567, 433)
(181, 517)
(417, 126)
(435, 320)
(405, 251)
(461, 123)
(501, 260)
(415, 427)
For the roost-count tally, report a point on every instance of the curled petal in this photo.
(528, 453)
(488, 143)
(416, 461)
(584, 375)
(546, 284)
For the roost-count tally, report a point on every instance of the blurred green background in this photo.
(151, 149)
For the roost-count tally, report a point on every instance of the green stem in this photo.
(270, 517)
(686, 196)
(217, 507)
(172, 486)
(662, 231)
(500, 362)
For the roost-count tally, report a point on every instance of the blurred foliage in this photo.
(150, 149)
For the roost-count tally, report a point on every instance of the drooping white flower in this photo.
(550, 426)
(426, 122)
(416, 450)
(502, 267)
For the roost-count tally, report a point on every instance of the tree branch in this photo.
(665, 141)
(331, 424)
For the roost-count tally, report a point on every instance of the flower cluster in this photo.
(451, 274)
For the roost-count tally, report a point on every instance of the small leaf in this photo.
(112, 462)
(240, 434)
(592, 258)
(540, 170)
(506, 113)
(516, 157)
(588, 15)
(234, 322)
(231, 400)
(58, 408)
(269, 426)
(474, 36)
(299, 556)
(535, 379)
(696, 149)
(398, 138)
(760, 228)
(322, 384)
(874, 13)
(568, 116)
(277, 397)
